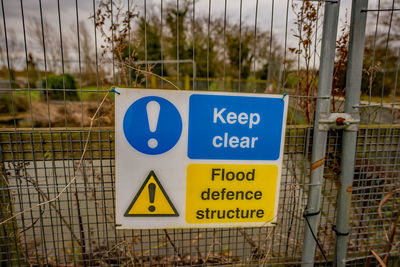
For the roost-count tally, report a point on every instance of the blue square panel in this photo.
(235, 127)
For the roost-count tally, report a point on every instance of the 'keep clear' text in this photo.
(226, 140)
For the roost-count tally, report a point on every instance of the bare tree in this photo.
(83, 53)
(45, 36)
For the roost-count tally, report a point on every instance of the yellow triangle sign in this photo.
(151, 200)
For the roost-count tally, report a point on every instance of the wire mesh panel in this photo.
(80, 225)
(375, 205)
(375, 193)
(59, 60)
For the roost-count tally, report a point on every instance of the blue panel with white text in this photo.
(235, 127)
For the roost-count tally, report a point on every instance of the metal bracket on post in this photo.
(339, 121)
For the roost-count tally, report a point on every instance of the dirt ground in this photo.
(71, 114)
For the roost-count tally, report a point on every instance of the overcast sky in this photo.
(267, 9)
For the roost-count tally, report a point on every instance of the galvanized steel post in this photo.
(353, 85)
(328, 46)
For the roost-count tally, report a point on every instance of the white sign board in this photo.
(197, 159)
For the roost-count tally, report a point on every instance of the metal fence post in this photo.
(328, 46)
(353, 85)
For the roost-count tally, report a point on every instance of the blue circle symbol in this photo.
(152, 125)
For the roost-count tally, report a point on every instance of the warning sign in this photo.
(151, 200)
(191, 159)
(227, 193)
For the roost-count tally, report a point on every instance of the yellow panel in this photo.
(229, 193)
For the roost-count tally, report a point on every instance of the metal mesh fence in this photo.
(79, 227)
(59, 58)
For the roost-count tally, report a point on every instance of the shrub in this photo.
(57, 82)
(15, 103)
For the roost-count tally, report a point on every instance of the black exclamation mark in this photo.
(152, 193)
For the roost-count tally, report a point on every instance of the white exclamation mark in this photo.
(153, 110)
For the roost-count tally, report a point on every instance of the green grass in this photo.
(34, 95)
(377, 99)
(89, 96)
(88, 93)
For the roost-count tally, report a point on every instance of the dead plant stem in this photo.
(73, 179)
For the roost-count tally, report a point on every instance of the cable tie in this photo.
(309, 214)
(339, 233)
(115, 91)
(306, 215)
(283, 97)
(318, 163)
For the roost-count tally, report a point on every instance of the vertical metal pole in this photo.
(353, 85)
(328, 46)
